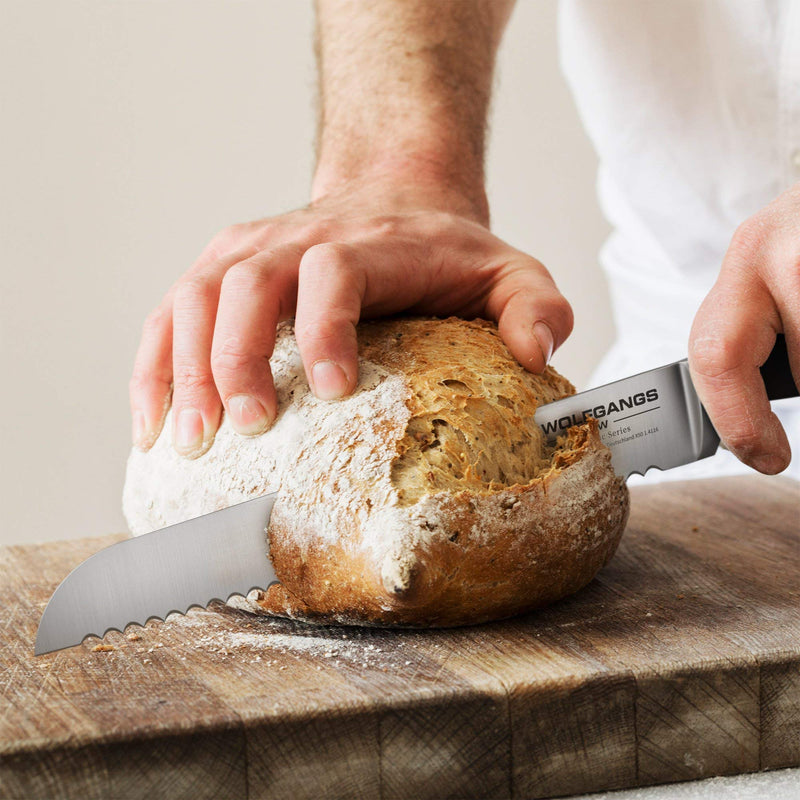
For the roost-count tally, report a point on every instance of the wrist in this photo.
(402, 179)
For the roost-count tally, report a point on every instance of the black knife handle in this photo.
(777, 374)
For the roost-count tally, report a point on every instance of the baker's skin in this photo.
(398, 220)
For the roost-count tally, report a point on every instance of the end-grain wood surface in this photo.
(681, 660)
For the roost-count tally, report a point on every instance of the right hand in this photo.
(365, 252)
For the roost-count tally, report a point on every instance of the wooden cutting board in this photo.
(681, 660)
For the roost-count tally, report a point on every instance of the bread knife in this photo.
(212, 557)
(653, 419)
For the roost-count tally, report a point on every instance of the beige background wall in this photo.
(132, 131)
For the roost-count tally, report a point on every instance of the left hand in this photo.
(755, 297)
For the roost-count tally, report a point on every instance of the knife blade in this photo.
(655, 419)
(189, 564)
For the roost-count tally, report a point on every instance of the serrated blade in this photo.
(650, 420)
(189, 564)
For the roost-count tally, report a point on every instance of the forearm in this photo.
(404, 92)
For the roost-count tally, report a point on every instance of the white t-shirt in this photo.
(694, 109)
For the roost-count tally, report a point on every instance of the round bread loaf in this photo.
(427, 498)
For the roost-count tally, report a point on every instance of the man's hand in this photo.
(328, 266)
(756, 296)
(398, 222)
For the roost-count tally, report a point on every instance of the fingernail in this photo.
(248, 416)
(189, 431)
(544, 336)
(139, 431)
(328, 379)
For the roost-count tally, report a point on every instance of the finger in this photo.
(533, 317)
(732, 336)
(150, 387)
(330, 291)
(256, 294)
(196, 407)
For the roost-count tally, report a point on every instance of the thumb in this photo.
(732, 335)
(533, 317)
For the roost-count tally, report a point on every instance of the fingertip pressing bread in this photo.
(428, 498)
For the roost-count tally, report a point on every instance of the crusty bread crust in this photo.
(428, 499)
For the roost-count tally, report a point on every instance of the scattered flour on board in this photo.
(271, 639)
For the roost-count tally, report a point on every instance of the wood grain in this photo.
(681, 660)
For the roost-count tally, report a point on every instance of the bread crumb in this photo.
(133, 637)
(103, 648)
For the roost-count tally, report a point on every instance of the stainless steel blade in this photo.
(189, 564)
(650, 420)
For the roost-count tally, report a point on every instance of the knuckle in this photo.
(443, 227)
(225, 241)
(193, 292)
(538, 268)
(326, 257)
(749, 238)
(384, 225)
(565, 315)
(713, 356)
(317, 229)
(522, 270)
(240, 275)
(156, 322)
(231, 358)
(262, 234)
(439, 219)
(534, 284)
(245, 276)
(145, 383)
(318, 332)
(192, 379)
(228, 237)
(450, 223)
(142, 376)
(139, 382)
